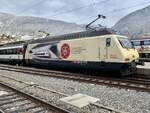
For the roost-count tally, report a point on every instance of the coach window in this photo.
(4, 51)
(10, 51)
(1, 51)
(7, 51)
(147, 42)
(14, 51)
(136, 43)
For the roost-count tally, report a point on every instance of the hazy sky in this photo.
(76, 11)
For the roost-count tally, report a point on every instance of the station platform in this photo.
(144, 69)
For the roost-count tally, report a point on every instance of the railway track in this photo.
(135, 82)
(11, 81)
(13, 100)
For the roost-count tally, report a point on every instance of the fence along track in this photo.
(119, 82)
(18, 101)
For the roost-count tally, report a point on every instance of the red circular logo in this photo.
(65, 51)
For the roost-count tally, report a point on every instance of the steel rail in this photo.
(35, 99)
(111, 109)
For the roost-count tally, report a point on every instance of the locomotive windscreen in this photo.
(125, 42)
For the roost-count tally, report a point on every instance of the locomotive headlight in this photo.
(127, 59)
(133, 56)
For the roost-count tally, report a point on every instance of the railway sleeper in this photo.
(8, 106)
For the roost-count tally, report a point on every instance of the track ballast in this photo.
(13, 100)
(134, 82)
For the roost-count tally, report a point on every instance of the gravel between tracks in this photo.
(122, 99)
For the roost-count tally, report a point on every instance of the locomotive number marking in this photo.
(65, 51)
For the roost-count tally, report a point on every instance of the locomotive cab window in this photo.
(125, 43)
(108, 42)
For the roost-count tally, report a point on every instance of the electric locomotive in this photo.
(91, 50)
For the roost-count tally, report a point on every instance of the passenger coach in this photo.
(142, 46)
(13, 53)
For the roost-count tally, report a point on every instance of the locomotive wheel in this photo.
(125, 71)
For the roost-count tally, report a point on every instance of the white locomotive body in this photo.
(101, 53)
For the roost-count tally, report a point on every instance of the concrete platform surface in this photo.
(146, 65)
(145, 70)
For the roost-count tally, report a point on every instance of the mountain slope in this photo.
(135, 24)
(25, 25)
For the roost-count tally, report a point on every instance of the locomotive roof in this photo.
(13, 43)
(84, 34)
(11, 47)
(140, 39)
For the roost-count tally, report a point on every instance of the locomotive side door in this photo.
(108, 44)
(102, 49)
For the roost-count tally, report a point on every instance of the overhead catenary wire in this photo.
(93, 3)
(78, 8)
(114, 11)
(30, 7)
(125, 8)
(11, 22)
(57, 13)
